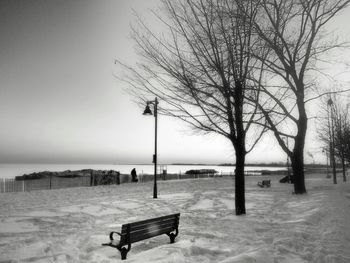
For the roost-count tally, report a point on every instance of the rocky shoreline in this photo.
(68, 174)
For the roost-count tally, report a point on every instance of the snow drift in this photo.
(69, 225)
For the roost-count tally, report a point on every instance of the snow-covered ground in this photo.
(69, 225)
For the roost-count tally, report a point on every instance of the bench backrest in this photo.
(141, 230)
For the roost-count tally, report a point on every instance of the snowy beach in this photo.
(69, 225)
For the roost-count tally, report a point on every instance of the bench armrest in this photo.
(111, 235)
(111, 243)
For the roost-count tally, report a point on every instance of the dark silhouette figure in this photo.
(134, 176)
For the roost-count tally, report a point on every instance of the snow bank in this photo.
(69, 225)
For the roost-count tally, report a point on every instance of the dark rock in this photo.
(98, 177)
(202, 171)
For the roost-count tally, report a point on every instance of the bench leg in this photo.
(172, 237)
(123, 252)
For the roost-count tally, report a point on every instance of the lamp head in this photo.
(147, 110)
(330, 102)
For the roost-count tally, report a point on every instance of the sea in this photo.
(13, 170)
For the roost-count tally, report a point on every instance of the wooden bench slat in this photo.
(145, 235)
(135, 228)
(152, 228)
(149, 225)
(143, 222)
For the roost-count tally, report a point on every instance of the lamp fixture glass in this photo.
(147, 111)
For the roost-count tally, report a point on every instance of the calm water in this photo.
(12, 170)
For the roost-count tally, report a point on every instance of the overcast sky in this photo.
(59, 100)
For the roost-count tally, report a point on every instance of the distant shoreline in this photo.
(251, 164)
(13, 170)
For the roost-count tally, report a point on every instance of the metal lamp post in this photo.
(149, 112)
(325, 151)
(331, 141)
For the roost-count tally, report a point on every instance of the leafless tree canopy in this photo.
(194, 67)
(226, 66)
(291, 33)
(202, 72)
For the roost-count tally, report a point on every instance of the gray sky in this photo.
(59, 100)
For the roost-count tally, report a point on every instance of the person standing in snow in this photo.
(134, 176)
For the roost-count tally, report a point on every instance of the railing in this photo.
(54, 182)
(11, 185)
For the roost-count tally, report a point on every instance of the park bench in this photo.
(264, 183)
(141, 230)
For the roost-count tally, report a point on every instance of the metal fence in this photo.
(56, 182)
(11, 185)
(180, 176)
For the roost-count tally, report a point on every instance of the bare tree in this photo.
(200, 68)
(326, 129)
(292, 32)
(341, 125)
(347, 141)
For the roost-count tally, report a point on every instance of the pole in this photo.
(327, 163)
(332, 153)
(330, 138)
(155, 149)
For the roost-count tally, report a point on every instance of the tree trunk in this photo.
(297, 158)
(334, 164)
(344, 168)
(239, 182)
(298, 171)
(239, 145)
